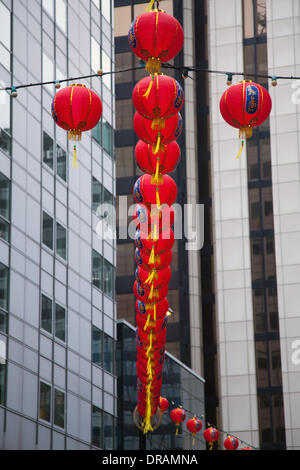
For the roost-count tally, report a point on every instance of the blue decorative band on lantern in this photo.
(179, 127)
(138, 240)
(138, 257)
(142, 307)
(252, 99)
(142, 214)
(137, 191)
(131, 35)
(165, 322)
(54, 115)
(137, 277)
(179, 96)
(140, 290)
(197, 424)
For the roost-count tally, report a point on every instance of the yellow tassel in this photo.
(147, 93)
(193, 442)
(150, 345)
(156, 176)
(151, 292)
(150, 277)
(153, 65)
(75, 163)
(157, 198)
(158, 124)
(152, 256)
(157, 144)
(241, 149)
(177, 429)
(149, 7)
(210, 446)
(154, 312)
(147, 322)
(155, 231)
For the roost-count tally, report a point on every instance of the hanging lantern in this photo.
(247, 448)
(245, 105)
(231, 443)
(145, 192)
(158, 138)
(147, 325)
(156, 309)
(151, 220)
(194, 425)
(155, 37)
(160, 279)
(163, 404)
(165, 161)
(76, 109)
(177, 416)
(149, 294)
(157, 98)
(211, 435)
(162, 244)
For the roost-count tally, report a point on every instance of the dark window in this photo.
(61, 241)
(4, 207)
(61, 163)
(46, 322)
(45, 402)
(108, 278)
(97, 195)
(107, 138)
(3, 287)
(97, 269)
(48, 230)
(2, 383)
(97, 427)
(97, 340)
(108, 353)
(108, 431)
(59, 408)
(60, 323)
(48, 150)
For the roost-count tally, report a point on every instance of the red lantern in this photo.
(171, 131)
(149, 294)
(167, 158)
(194, 425)
(245, 105)
(164, 242)
(158, 97)
(156, 309)
(211, 435)
(160, 261)
(163, 404)
(145, 192)
(76, 109)
(247, 448)
(151, 325)
(177, 416)
(231, 443)
(153, 221)
(155, 37)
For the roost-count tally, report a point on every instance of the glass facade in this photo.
(181, 386)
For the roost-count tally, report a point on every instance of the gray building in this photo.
(57, 301)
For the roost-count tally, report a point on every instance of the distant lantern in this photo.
(194, 425)
(231, 443)
(177, 416)
(211, 435)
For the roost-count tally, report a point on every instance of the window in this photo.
(61, 163)
(45, 402)
(108, 353)
(61, 15)
(97, 346)
(95, 55)
(49, 7)
(97, 3)
(46, 320)
(106, 9)
(97, 269)
(59, 408)
(60, 323)
(96, 427)
(2, 383)
(108, 431)
(4, 207)
(48, 230)
(61, 241)
(48, 72)
(108, 278)
(5, 136)
(97, 195)
(107, 137)
(3, 297)
(106, 67)
(48, 150)
(122, 20)
(5, 34)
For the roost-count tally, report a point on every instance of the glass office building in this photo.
(181, 386)
(57, 299)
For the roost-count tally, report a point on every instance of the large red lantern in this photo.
(158, 138)
(76, 109)
(145, 192)
(163, 404)
(211, 435)
(167, 159)
(158, 97)
(155, 37)
(177, 416)
(245, 105)
(231, 443)
(194, 425)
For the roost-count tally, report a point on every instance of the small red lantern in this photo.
(149, 294)
(163, 162)
(160, 279)
(164, 242)
(76, 109)
(247, 448)
(194, 425)
(148, 325)
(151, 222)
(155, 37)
(231, 443)
(245, 105)
(177, 416)
(211, 435)
(158, 97)
(163, 404)
(145, 192)
(156, 309)
(158, 139)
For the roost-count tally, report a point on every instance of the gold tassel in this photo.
(241, 149)
(152, 256)
(75, 163)
(150, 278)
(155, 179)
(153, 65)
(177, 429)
(151, 291)
(147, 93)
(147, 322)
(210, 446)
(155, 231)
(157, 198)
(157, 144)
(158, 124)
(154, 311)
(150, 345)
(149, 7)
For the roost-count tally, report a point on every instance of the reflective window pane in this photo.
(59, 408)
(107, 137)
(45, 402)
(4, 57)
(61, 163)
(108, 277)
(97, 346)
(48, 6)
(108, 428)
(60, 323)
(5, 139)
(97, 195)
(5, 30)
(46, 320)
(122, 20)
(3, 287)
(108, 353)
(261, 17)
(124, 114)
(106, 6)
(48, 72)
(97, 269)
(48, 230)
(97, 427)
(106, 67)
(3, 322)
(2, 383)
(95, 52)
(248, 19)
(48, 150)
(4, 196)
(61, 14)
(125, 159)
(61, 241)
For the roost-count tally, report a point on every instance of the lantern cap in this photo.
(14, 92)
